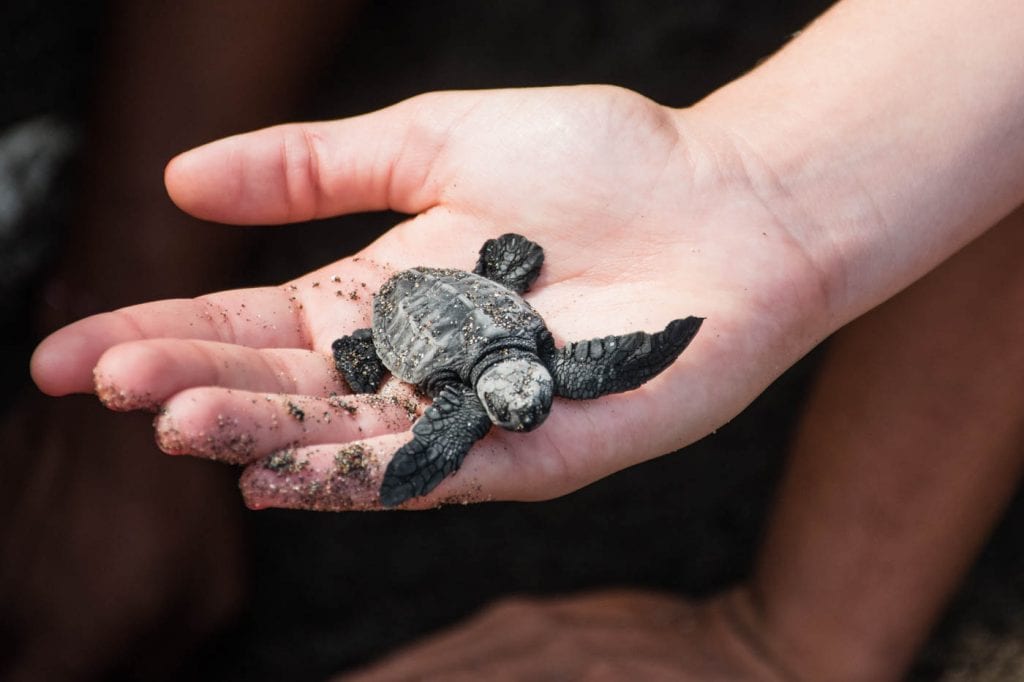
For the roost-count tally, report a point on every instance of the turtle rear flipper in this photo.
(511, 260)
(355, 358)
(588, 369)
(441, 439)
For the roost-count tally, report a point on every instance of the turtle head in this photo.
(516, 393)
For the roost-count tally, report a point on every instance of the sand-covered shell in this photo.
(432, 320)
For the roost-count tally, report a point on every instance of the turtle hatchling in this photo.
(474, 345)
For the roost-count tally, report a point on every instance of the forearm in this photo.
(887, 135)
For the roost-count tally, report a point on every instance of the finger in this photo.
(502, 631)
(538, 465)
(298, 172)
(348, 476)
(240, 427)
(321, 478)
(262, 317)
(621, 607)
(143, 374)
(266, 317)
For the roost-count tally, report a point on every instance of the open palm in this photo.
(645, 215)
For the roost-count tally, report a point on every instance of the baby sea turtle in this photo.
(484, 355)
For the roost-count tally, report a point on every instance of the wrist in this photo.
(783, 160)
(798, 275)
(885, 137)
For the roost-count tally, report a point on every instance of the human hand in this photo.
(608, 635)
(646, 214)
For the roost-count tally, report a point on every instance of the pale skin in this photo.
(780, 208)
(906, 456)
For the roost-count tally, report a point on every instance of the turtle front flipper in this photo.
(511, 260)
(588, 369)
(441, 439)
(356, 359)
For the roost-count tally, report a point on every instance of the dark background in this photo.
(327, 591)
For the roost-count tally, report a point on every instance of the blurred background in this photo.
(118, 563)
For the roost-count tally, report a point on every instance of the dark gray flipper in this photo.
(441, 439)
(588, 369)
(356, 359)
(511, 260)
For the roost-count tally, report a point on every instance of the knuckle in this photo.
(301, 171)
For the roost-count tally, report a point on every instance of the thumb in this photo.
(301, 171)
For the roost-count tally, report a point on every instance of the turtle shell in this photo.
(430, 320)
